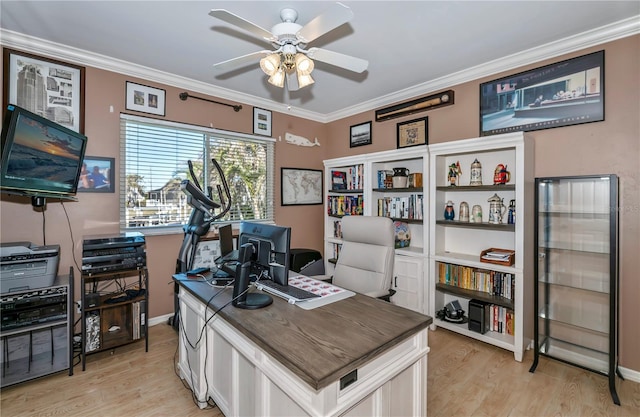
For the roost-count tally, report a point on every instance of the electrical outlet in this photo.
(79, 306)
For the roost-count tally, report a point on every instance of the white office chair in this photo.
(365, 263)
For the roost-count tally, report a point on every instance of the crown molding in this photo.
(594, 37)
(39, 46)
(604, 34)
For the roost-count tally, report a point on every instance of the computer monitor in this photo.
(242, 298)
(271, 248)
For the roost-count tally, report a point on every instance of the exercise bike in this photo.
(200, 219)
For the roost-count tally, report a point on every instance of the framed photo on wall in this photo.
(261, 122)
(145, 99)
(300, 186)
(566, 93)
(360, 135)
(413, 133)
(62, 83)
(97, 175)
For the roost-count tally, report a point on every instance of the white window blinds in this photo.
(154, 161)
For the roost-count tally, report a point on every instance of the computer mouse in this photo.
(114, 328)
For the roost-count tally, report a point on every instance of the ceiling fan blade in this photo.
(292, 81)
(339, 60)
(238, 21)
(335, 16)
(241, 60)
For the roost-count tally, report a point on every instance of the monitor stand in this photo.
(254, 301)
(242, 298)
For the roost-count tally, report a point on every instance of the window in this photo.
(154, 161)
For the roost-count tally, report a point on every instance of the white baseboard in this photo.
(630, 374)
(160, 319)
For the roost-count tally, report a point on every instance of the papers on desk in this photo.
(328, 293)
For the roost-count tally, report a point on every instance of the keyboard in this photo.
(288, 292)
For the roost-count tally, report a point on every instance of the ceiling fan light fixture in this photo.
(304, 64)
(277, 78)
(270, 64)
(304, 80)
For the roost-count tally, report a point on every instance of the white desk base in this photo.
(245, 381)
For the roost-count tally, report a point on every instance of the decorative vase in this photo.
(463, 214)
(511, 216)
(501, 175)
(400, 177)
(496, 209)
(476, 173)
(449, 212)
(476, 214)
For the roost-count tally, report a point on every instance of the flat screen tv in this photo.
(40, 158)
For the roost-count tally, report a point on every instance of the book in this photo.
(338, 180)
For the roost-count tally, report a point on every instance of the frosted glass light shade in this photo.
(270, 64)
(304, 80)
(277, 78)
(304, 65)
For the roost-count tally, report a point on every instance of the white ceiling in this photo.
(413, 47)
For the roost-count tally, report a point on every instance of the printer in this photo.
(24, 266)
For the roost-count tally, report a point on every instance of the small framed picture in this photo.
(413, 133)
(360, 135)
(97, 175)
(261, 122)
(145, 99)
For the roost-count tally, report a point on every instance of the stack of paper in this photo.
(497, 255)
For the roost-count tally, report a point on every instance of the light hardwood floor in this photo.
(465, 378)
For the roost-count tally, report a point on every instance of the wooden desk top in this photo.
(320, 345)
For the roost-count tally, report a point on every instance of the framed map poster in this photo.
(300, 186)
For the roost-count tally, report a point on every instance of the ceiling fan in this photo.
(290, 60)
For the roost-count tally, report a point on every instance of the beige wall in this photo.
(612, 146)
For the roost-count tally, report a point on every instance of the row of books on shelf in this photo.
(501, 319)
(343, 205)
(409, 207)
(337, 229)
(139, 319)
(385, 178)
(349, 178)
(491, 282)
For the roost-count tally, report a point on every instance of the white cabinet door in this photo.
(408, 278)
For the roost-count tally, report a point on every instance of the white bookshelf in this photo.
(410, 268)
(452, 242)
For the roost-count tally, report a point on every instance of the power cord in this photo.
(194, 346)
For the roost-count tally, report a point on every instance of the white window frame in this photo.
(208, 132)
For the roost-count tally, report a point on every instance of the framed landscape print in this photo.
(62, 85)
(566, 93)
(360, 135)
